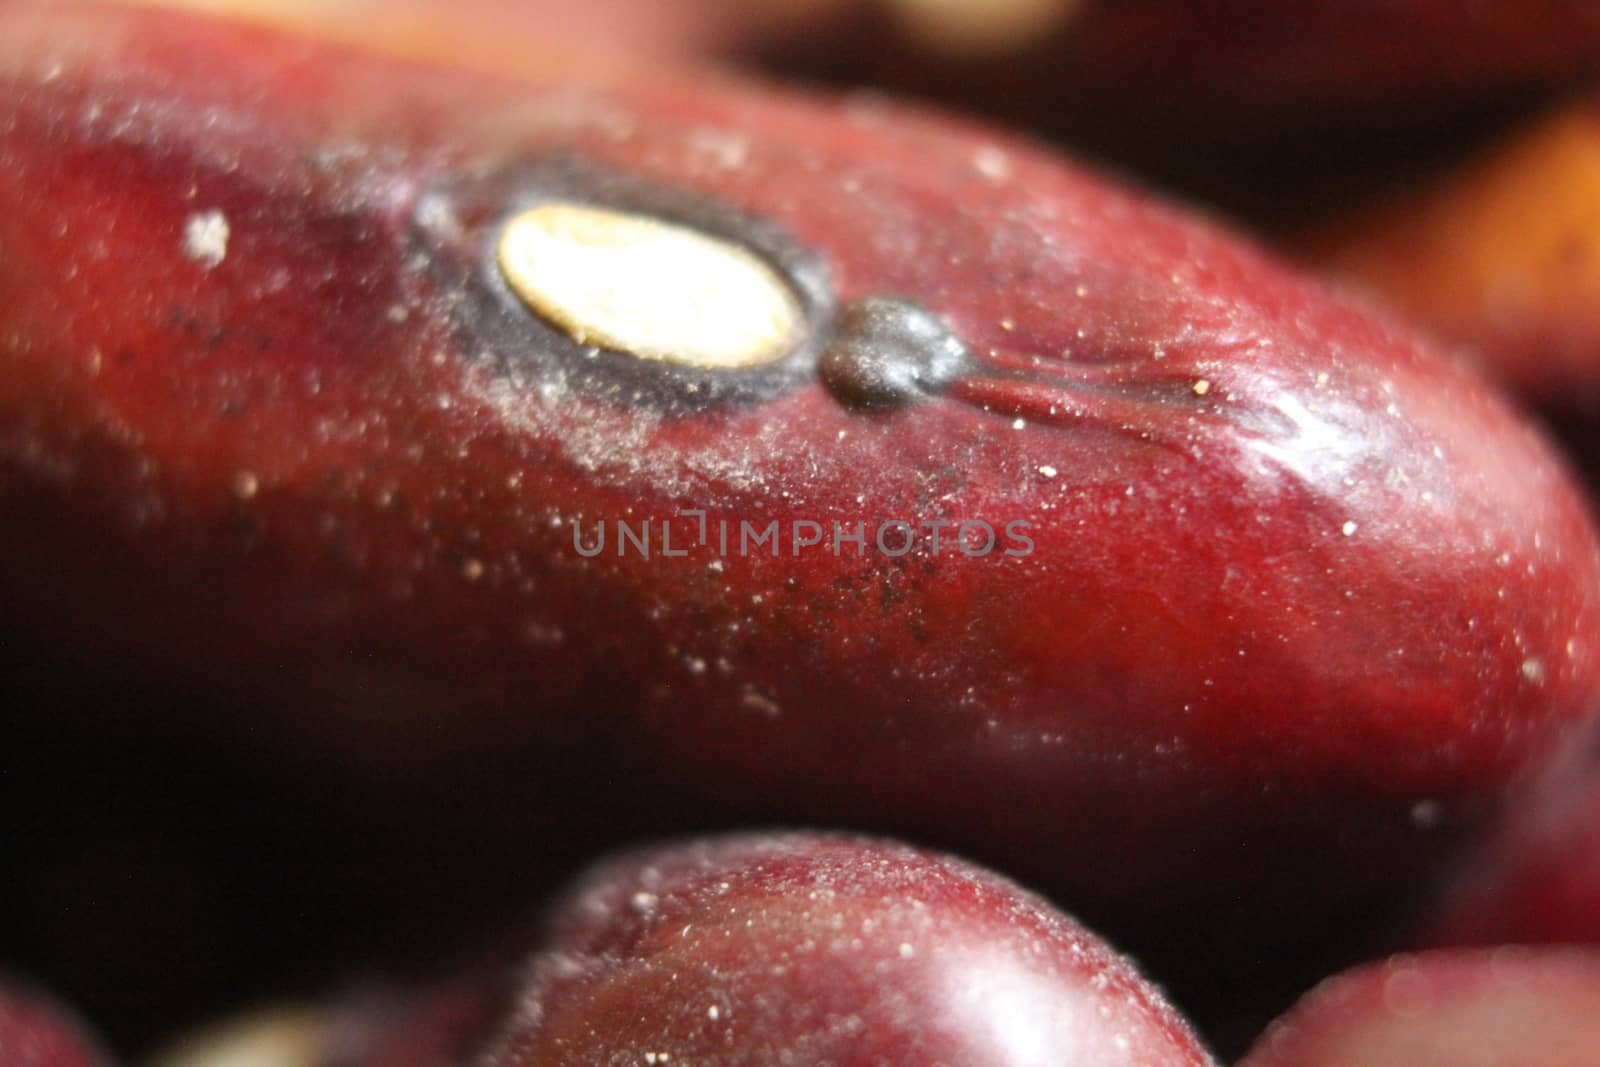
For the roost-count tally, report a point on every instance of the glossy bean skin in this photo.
(1302, 600)
(1485, 1008)
(1536, 880)
(800, 948)
(35, 1032)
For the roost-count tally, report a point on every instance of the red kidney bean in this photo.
(1246, 604)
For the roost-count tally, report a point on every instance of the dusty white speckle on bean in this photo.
(205, 238)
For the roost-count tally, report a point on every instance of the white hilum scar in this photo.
(647, 287)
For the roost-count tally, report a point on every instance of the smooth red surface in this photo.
(36, 1033)
(1537, 880)
(805, 949)
(1488, 1008)
(1283, 641)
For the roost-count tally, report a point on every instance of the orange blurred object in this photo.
(1502, 257)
